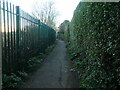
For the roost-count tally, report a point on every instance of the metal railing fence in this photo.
(22, 37)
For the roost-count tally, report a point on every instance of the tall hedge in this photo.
(94, 44)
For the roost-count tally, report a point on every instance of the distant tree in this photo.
(63, 29)
(46, 12)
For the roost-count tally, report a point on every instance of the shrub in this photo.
(94, 43)
(11, 81)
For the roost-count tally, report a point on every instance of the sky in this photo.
(64, 7)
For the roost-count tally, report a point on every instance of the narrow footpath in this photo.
(54, 72)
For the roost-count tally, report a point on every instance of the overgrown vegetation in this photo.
(15, 80)
(94, 44)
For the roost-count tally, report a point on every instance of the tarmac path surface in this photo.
(54, 72)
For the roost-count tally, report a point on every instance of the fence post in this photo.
(0, 48)
(17, 31)
(39, 39)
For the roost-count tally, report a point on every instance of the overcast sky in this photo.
(64, 7)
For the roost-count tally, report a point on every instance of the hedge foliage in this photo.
(94, 44)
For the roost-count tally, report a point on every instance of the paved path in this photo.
(54, 72)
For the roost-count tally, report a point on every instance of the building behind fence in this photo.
(22, 37)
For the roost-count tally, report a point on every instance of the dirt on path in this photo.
(54, 72)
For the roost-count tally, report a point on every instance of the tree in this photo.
(46, 12)
(63, 30)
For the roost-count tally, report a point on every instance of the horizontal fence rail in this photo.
(22, 37)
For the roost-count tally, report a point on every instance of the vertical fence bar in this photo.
(24, 35)
(22, 54)
(0, 48)
(8, 35)
(11, 37)
(5, 64)
(14, 45)
(39, 34)
(17, 32)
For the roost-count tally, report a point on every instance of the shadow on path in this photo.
(54, 72)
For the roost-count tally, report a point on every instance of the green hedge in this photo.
(94, 44)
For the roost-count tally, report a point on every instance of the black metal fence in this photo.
(22, 37)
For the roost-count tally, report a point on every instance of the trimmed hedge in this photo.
(94, 44)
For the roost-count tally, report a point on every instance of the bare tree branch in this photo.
(46, 12)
